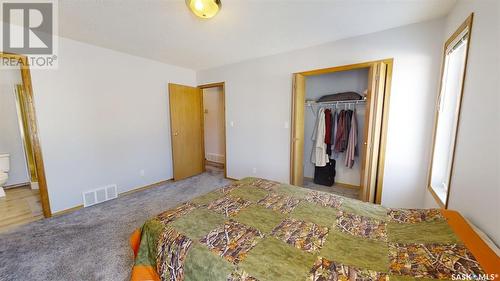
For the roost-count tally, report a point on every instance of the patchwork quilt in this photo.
(256, 229)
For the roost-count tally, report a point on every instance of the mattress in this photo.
(256, 229)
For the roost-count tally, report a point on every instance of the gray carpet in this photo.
(92, 243)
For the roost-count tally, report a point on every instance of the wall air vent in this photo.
(99, 195)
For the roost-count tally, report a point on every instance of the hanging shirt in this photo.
(346, 130)
(339, 132)
(333, 132)
(328, 125)
(328, 131)
(352, 142)
(318, 155)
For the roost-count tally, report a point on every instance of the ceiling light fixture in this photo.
(204, 8)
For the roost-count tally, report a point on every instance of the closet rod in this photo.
(310, 104)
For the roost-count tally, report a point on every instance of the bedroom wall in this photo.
(258, 105)
(10, 133)
(103, 118)
(475, 183)
(319, 85)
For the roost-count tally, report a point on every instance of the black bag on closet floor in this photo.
(325, 175)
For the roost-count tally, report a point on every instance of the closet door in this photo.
(373, 132)
(297, 137)
(186, 126)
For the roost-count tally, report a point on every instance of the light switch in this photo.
(231, 123)
(287, 125)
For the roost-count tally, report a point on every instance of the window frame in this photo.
(466, 25)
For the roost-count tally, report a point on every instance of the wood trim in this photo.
(67, 211)
(223, 86)
(338, 184)
(341, 68)
(146, 187)
(33, 134)
(365, 162)
(212, 85)
(375, 120)
(383, 140)
(297, 132)
(346, 185)
(202, 114)
(72, 209)
(466, 24)
(298, 120)
(436, 198)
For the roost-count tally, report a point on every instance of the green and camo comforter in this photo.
(256, 229)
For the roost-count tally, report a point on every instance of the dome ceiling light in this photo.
(204, 9)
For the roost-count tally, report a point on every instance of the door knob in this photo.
(176, 134)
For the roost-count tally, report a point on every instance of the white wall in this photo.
(258, 101)
(319, 85)
(103, 117)
(475, 184)
(10, 135)
(213, 105)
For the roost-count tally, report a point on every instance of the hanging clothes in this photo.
(328, 131)
(332, 135)
(352, 143)
(339, 134)
(319, 156)
(347, 129)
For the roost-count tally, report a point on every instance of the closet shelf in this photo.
(310, 104)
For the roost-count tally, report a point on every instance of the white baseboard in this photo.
(214, 157)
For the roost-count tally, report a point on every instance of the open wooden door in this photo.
(373, 131)
(297, 137)
(186, 125)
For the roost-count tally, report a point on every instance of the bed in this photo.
(257, 229)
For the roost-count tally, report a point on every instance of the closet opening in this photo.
(339, 120)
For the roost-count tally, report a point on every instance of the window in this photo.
(448, 112)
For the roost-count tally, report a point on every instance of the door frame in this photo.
(33, 134)
(223, 86)
(381, 108)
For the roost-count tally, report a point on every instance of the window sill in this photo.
(439, 195)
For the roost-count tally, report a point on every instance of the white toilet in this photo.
(4, 171)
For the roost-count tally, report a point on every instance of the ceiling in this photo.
(166, 31)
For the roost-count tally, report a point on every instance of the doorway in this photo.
(198, 132)
(214, 128)
(365, 164)
(23, 190)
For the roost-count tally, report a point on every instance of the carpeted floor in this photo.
(92, 243)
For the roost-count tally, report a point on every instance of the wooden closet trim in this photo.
(28, 89)
(297, 120)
